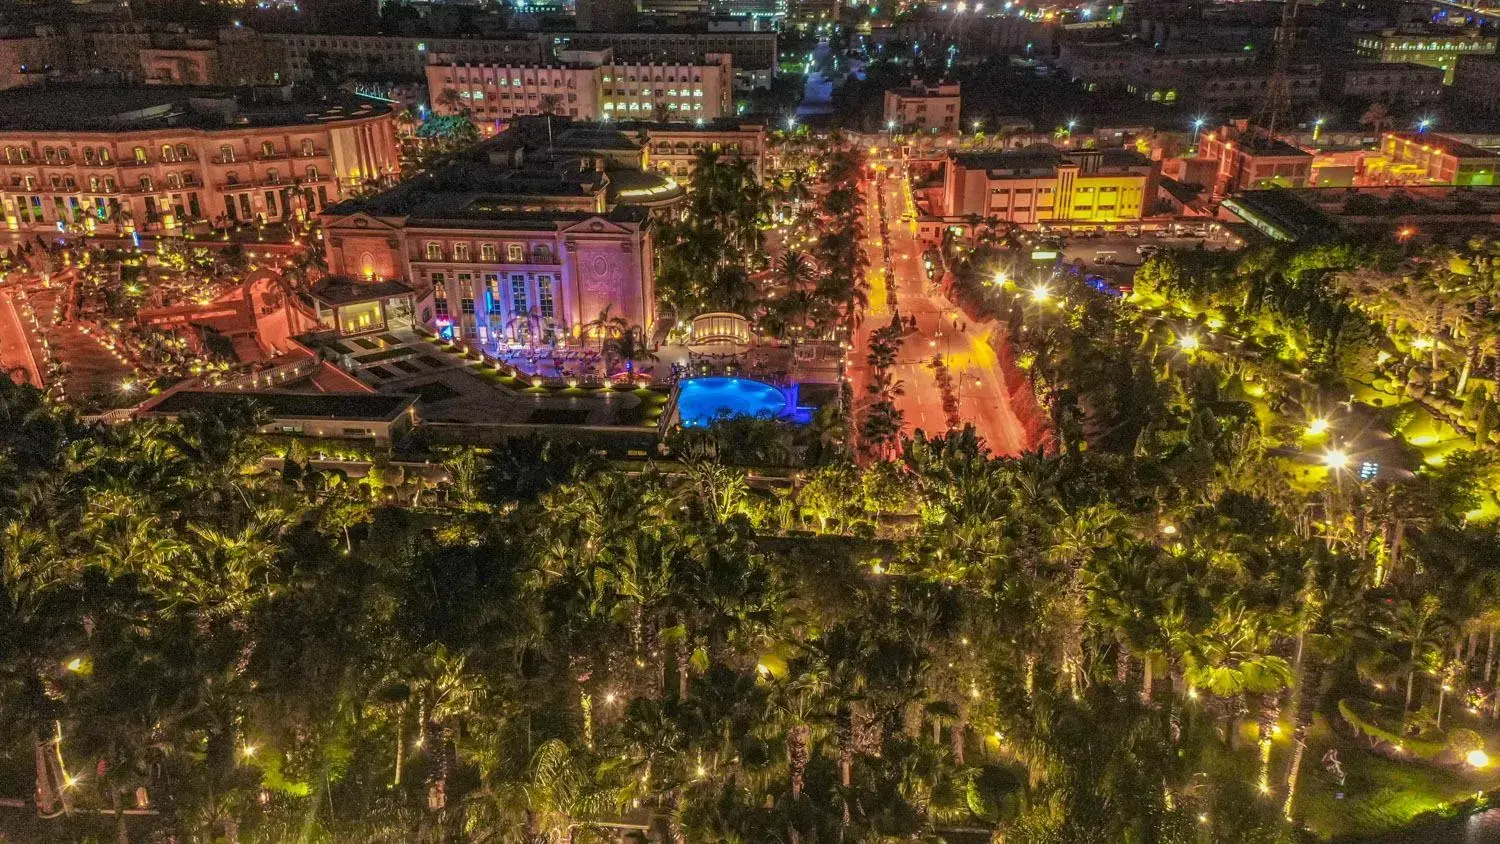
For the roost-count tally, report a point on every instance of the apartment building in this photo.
(26, 60)
(1427, 46)
(161, 158)
(920, 106)
(754, 53)
(1044, 185)
(591, 86)
(395, 54)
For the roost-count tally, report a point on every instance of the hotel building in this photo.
(591, 85)
(919, 106)
(514, 243)
(160, 159)
(1044, 185)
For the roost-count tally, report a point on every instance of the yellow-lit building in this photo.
(1422, 158)
(1424, 46)
(1044, 185)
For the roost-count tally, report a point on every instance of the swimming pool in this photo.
(702, 400)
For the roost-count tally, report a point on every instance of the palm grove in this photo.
(1141, 634)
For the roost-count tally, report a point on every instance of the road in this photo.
(15, 342)
(983, 398)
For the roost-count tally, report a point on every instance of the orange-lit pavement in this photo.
(983, 398)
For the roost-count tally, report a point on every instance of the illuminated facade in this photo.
(487, 252)
(1422, 158)
(1252, 162)
(1432, 48)
(159, 159)
(1044, 185)
(592, 86)
(672, 149)
(922, 107)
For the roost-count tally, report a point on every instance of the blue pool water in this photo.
(701, 400)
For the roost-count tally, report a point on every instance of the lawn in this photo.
(1381, 795)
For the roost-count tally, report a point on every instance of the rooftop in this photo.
(340, 290)
(118, 108)
(1042, 157)
(480, 194)
(372, 407)
(1442, 143)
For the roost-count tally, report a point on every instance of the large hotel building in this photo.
(161, 159)
(590, 85)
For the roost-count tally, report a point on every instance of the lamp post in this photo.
(1424, 124)
(1317, 129)
(1198, 124)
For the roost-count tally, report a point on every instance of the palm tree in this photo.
(1418, 628)
(1377, 117)
(443, 690)
(793, 269)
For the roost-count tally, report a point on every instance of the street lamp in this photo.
(1317, 427)
(1336, 459)
(1317, 128)
(1424, 124)
(1198, 124)
(978, 124)
(791, 123)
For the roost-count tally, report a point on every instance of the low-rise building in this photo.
(1042, 185)
(1322, 213)
(920, 106)
(1425, 45)
(1424, 158)
(1251, 161)
(160, 158)
(589, 87)
(1394, 83)
(672, 149)
(379, 417)
(1476, 84)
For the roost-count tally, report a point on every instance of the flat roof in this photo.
(341, 290)
(1443, 143)
(362, 407)
(1043, 156)
(93, 108)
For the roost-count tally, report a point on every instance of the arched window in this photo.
(312, 173)
(88, 155)
(168, 153)
(183, 154)
(146, 183)
(273, 177)
(104, 155)
(226, 153)
(140, 155)
(65, 155)
(174, 181)
(267, 148)
(49, 154)
(10, 155)
(232, 178)
(307, 146)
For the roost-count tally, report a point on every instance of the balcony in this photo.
(534, 260)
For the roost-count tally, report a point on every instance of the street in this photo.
(970, 349)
